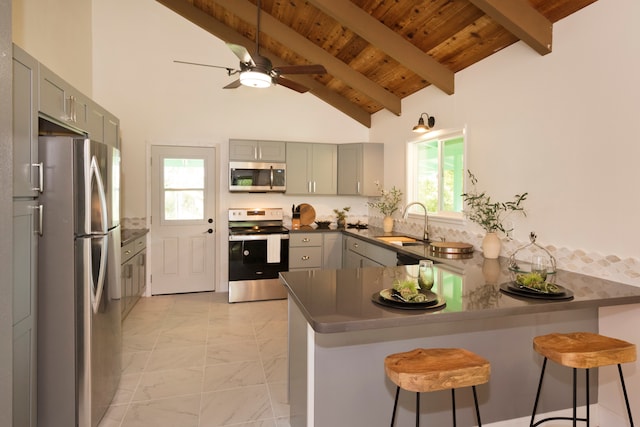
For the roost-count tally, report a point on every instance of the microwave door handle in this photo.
(271, 177)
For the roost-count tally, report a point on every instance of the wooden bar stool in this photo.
(582, 350)
(423, 370)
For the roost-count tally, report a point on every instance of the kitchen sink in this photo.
(401, 240)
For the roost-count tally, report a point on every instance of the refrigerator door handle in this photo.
(94, 173)
(93, 282)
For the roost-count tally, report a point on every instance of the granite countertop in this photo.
(341, 300)
(130, 234)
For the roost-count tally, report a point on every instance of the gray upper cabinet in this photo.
(27, 172)
(61, 102)
(312, 168)
(360, 166)
(252, 150)
(102, 126)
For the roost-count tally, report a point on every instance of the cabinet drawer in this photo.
(128, 251)
(305, 239)
(357, 246)
(310, 257)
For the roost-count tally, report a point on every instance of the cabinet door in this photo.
(126, 285)
(24, 313)
(243, 149)
(60, 101)
(26, 171)
(349, 169)
(111, 130)
(142, 272)
(272, 151)
(95, 122)
(324, 169)
(331, 250)
(299, 158)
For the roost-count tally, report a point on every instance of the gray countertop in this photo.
(341, 300)
(130, 234)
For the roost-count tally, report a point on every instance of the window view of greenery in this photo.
(436, 173)
(183, 189)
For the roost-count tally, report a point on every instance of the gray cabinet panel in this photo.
(26, 173)
(133, 274)
(24, 313)
(360, 167)
(312, 168)
(253, 150)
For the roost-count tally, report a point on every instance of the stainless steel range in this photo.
(258, 251)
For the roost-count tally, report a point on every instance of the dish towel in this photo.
(273, 248)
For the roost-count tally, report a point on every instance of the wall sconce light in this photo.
(421, 127)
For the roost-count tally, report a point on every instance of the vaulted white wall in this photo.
(561, 127)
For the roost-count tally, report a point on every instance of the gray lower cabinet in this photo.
(358, 253)
(317, 250)
(312, 168)
(360, 167)
(25, 241)
(133, 273)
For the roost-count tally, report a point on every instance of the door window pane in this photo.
(183, 189)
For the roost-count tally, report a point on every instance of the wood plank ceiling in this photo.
(377, 52)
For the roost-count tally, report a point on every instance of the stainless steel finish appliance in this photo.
(258, 251)
(79, 325)
(257, 177)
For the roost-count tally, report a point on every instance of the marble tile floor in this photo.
(193, 360)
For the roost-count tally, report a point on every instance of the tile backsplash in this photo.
(610, 267)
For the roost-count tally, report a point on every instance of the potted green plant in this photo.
(490, 215)
(387, 203)
(341, 216)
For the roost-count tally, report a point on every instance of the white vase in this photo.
(491, 246)
(387, 224)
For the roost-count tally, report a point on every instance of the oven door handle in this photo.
(240, 238)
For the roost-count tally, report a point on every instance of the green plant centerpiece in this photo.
(341, 216)
(387, 203)
(490, 215)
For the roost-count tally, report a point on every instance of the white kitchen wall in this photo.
(561, 127)
(57, 33)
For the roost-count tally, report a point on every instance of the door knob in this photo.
(210, 230)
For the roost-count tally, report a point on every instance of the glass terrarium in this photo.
(537, 255)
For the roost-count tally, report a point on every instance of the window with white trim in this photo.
(435, 172)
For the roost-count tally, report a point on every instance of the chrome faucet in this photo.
(425, 231)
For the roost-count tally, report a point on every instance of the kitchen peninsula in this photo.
(338, 339)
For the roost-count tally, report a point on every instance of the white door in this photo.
(183, 222)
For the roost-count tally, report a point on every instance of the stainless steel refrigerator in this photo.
(79, 324)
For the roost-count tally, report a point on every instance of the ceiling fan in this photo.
(258, 71)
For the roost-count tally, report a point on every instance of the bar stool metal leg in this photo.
(535, 404)
(626, 398)
(395, 405)
(453, 405)
(475, 400)
(418, 409)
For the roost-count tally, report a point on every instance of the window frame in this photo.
(441, 136)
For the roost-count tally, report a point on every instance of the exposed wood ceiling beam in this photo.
(522, 20)
(314, 53)
(223, 32)
(385, 39)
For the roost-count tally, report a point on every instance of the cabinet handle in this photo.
(305, 257)
(40, 187)
(142, 259)
(127, 252)
(40, 209)
(314, 186)
(306, 239)
(129, 271)
(255, 153)
(355, 245)
(259, 152)
(358, 187)
(308, 186)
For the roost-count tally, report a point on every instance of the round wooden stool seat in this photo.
(584, 350)
(424, 370)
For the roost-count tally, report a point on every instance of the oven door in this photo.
(248, 258)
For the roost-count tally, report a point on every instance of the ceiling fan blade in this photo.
(291, 84)
(234, 84)
(242, 53)
(229, 70)
(300, 69)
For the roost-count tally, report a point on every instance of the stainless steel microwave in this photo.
(257, 177)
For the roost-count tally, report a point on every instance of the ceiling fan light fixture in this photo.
(255, 79)
(421, 127)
